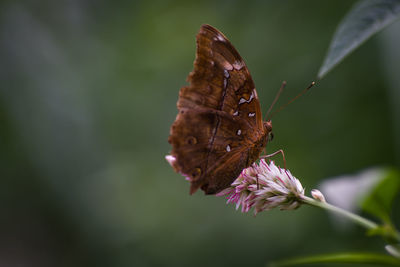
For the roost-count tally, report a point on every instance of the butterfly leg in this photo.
(275, 153)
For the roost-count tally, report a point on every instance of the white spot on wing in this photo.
(251, 96)
(252, 114)
(219, 37)
(243, 100)
(228, 148)
(236, 113)
(226, 74)
(239, 132)
(238, 65)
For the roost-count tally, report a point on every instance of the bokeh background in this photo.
(88, 91)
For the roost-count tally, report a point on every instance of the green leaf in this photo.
(360, 258)
(379, 201)
(366, 18)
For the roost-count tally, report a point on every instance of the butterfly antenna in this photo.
(293, 99)
(276, 98)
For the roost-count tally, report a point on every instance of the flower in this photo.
(264, 187)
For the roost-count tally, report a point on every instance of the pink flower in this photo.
(264, 187)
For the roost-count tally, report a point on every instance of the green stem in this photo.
(354, 217)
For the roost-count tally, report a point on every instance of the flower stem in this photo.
(354, 217)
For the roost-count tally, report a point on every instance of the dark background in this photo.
(88, 92)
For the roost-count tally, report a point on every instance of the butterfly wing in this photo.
(219, 129)
(220, 79)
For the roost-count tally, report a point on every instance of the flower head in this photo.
(264, 187)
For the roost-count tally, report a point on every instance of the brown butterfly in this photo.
(219, 129)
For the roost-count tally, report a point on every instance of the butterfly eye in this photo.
(270, 136)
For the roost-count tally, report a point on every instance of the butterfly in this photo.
(219, 129)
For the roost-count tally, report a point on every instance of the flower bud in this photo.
(317, 195)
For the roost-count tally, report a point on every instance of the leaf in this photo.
(371, 190)
(366, 18)
(348, 191)
(379, 201)
(360, 258)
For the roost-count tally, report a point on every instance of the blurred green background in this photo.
(88, 93)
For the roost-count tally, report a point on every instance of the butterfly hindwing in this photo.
(210, 166)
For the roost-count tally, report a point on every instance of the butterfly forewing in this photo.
(219, 129)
